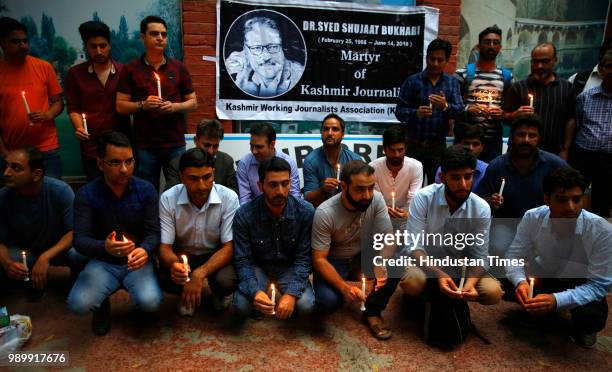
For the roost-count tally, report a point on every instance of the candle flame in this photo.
(125, 239)
(23, 93)
(23, 253)
(83, 115)
(363, 279)
(156, 77)
(393, 194)
(184, 258)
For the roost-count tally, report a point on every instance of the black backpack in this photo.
(447, 321)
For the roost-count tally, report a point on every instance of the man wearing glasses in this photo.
(157, 91)
(261, 68)
(116, 224)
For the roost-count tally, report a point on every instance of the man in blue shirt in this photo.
(472, 138)
(35, 219)
(263, 141)
(428, 99)
(321, 166)
(196, 221)
(567, 252)
(116, 224)
(272, 245)
(523, 168)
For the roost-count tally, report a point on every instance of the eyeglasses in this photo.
(117, 163)
(157, 33)
(270, 48)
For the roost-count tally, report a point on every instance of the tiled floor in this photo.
(206, 342)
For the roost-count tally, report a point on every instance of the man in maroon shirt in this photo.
(157, 91)
(91, 89)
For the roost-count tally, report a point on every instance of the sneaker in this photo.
(184, 310)
(220, 303)
(585, 340)
(101, 320)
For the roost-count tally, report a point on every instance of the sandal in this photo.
(378, 329)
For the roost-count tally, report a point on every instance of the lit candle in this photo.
(490, 99)
(24, 261)
(125, 239)
(273, 298)
(158, 86)
(531, 280)
(25, 102)
(501, 188)
(85, 124)
(462, 281)
(363, 289)
(338, 171)
(393, 199)
(530, 100)
(186, 266)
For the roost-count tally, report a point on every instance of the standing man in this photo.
(398, 177)
(321, 179)
(22, 76)
(553, 100)
(342, 238)
(196, 220)
(592, 151)
(209, 135)
(483, 84)
(272, 245)
(36, 218)
(263, 141)
(91, 91)
(158, 109)
(428, 99)
(116, 224)
(591, 78)
(568, 252)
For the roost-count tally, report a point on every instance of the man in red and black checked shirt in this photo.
(158, 109)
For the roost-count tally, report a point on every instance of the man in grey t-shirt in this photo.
(342, 230)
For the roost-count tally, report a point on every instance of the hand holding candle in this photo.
(530, 100)
(159, 95)
(186, 266)
(363, 291)
(501, 189)
(24, 261)
(27, 107)
(462, 280)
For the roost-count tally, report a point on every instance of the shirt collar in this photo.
(213, 197)
(130, 187)
(113, 71)
(288, 212)
(145, 62)
(442, 199)
(598, 91)
(532, 81)
(580, 222)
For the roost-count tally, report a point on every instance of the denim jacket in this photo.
(261, 241)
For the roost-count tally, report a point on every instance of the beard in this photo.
(523, 150)
(395, 161)
(361, 206)
(454, 197)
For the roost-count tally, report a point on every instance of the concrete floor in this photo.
(207, 342)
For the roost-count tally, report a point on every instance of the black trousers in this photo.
(596, 167)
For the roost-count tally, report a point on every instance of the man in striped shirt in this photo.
(483, 84)
(592, 152)
(552, 98)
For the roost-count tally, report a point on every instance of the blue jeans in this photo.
(328, 298)
(303, 306)
(100, 279)
(149, 162)
(53, 164)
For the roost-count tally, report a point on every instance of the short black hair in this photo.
(91, 29)
(8, 25)
(210, 128)
(530, 120)
(196, 158)
(392, 135)
(489, 30)
(354, 167)
(263, 130)
(440, 44)
(457, 157)
(606, 45)
(564, 179)
(274, 164)
(606, 56)
(151, 19)
(472, 131)
(116, 139)
(333, 116)
(541, 45)
(35, 158)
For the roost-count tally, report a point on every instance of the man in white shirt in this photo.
(196, 221)
(398, 177)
